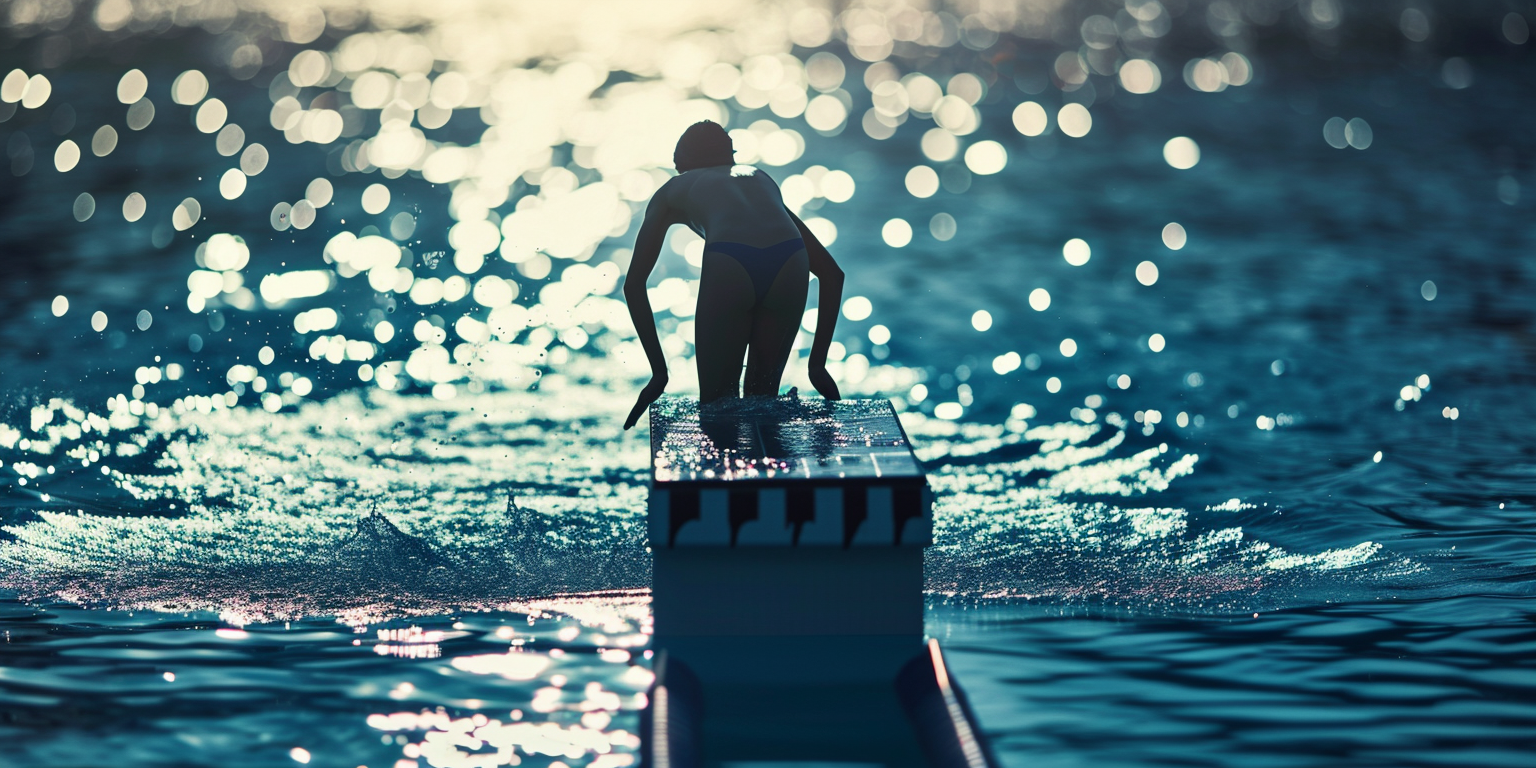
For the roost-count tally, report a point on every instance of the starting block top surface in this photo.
(779, 441)
(784, 472)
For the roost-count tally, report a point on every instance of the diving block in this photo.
(787, 543)
(785, 473)
(786, 518)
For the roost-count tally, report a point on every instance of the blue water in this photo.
(1273, 509)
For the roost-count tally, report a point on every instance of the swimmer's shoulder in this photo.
(676, 189)
(699, 186)
(673, 193)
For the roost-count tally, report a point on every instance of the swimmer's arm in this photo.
(829, 300)
(658, 217)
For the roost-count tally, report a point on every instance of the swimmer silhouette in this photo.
(758, 258)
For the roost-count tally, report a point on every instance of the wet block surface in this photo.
(784, 472)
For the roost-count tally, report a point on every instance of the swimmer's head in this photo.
(703, 145)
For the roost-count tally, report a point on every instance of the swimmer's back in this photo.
(725, 203)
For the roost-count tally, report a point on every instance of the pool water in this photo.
(1231, 458)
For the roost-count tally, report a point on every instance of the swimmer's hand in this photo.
(648, 395)
(823, 381)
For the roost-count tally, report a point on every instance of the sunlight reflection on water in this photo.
(369, 363)
(374, 505)
(255, 495)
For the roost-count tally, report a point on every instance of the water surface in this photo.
(337, 474)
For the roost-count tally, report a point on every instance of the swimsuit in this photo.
(762, 264)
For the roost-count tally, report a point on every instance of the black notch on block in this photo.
(743, 510)
(685, 507)
(907, 504)
(799, 509)
(855, 511)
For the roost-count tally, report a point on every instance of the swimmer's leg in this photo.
(774, 326)
(722, 326)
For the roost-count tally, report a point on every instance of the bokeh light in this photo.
(940, 145)
(837, 186)
(189, 87)
(1076, 252)
(134, 206)
(37, 91)
(858, 308)
(1333, 133)
(140, 114)
(211, 116)
(1140, 76)
(985, 158)
(104, 141)
(1030, 119)
(229, 140)
(1515, 28)
(1074, 120)
(1174, 236)
(319, 192)
(13, 86)
(375, 198)
(67, 156)
(1006, 363)
(1181, 152)
(896, 233)
(943, 226)
(254, 159)
(922, 181)
(232, 184)
(1457, 73)
(1358, 133)
(84, 207)
(132, 86)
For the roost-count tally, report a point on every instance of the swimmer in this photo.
(758, 259)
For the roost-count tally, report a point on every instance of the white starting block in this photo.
(787, 539)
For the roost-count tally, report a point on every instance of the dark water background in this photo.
(1347, 583)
